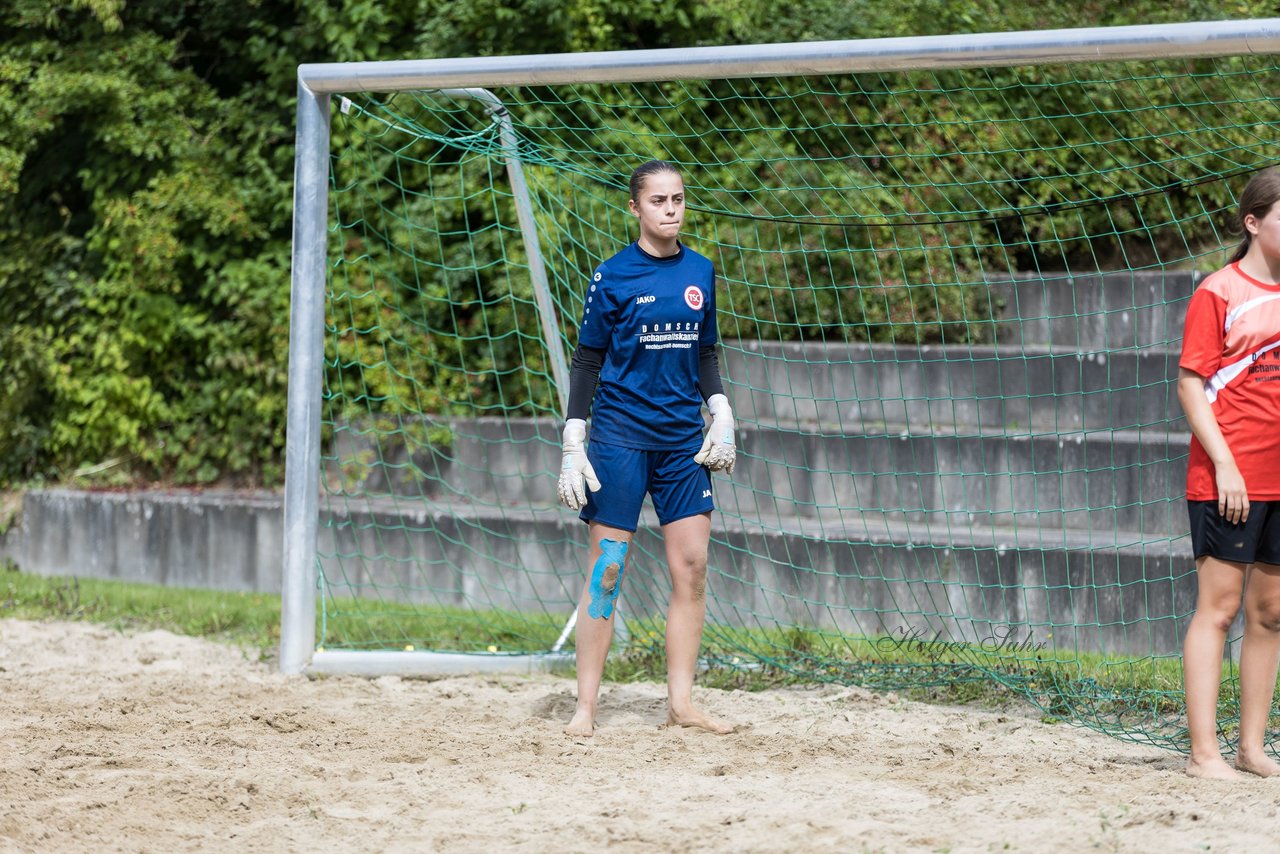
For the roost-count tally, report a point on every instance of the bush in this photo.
(145, 199)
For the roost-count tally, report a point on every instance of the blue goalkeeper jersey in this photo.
(650, 315)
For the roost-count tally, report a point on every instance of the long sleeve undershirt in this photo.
(584, 376)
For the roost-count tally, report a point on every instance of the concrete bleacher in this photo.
(1034, 481)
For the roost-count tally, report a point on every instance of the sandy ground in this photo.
(154, 742)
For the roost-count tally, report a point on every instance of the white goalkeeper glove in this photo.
(718, 452)
(575, 468)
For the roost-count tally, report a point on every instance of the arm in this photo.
(709, 383)
(1233, 497)
(576, 472)
(584, 376)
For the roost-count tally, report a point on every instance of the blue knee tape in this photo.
(611, 563)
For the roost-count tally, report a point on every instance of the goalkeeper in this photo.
(645, 362)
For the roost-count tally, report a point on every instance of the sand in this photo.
(115, 741)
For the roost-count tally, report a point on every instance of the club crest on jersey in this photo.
(693, 297)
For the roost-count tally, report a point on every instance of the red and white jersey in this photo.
(1232, 339)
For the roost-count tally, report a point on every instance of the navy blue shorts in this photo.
(679, 487)
(1257, 540)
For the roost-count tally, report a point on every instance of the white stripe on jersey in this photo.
(1242, 308)
(1223, 376)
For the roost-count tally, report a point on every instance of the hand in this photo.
(575, 468)
(1233, 497)
(718, 451)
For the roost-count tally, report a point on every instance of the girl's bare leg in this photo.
(1258, 658)
(1220, 586)
(593, 635)
(686, 543)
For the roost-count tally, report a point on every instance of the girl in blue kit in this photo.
(645, 362)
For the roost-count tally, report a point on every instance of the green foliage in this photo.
(136, 336)
(145, 200)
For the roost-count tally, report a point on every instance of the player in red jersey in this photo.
(1229, 388)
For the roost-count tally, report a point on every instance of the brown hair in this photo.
(644, 170)
(1262, 191)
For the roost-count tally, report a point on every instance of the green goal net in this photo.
(950, 304)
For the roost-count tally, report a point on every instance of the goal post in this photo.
(298, 644)
(948, 350)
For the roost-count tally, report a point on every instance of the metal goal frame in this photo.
(469, 78)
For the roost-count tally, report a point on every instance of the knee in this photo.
(690, 578)
(1219, 615)
(700, 585)
(1266, 615)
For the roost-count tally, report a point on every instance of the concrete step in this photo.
(1108, 480)
(1128, 310)
(996, 387)
(1113, 592)
(1131, 480)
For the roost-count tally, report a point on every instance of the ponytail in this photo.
(1243, 249)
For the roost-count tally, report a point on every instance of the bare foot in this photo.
(1260, 764)
(583, 724)
(700, 720)
(1215, 768)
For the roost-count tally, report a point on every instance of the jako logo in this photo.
(706, 493)
(646, 300)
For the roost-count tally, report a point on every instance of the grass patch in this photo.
(374, 624)
(249, 620)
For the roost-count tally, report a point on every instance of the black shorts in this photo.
(1257, 540)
